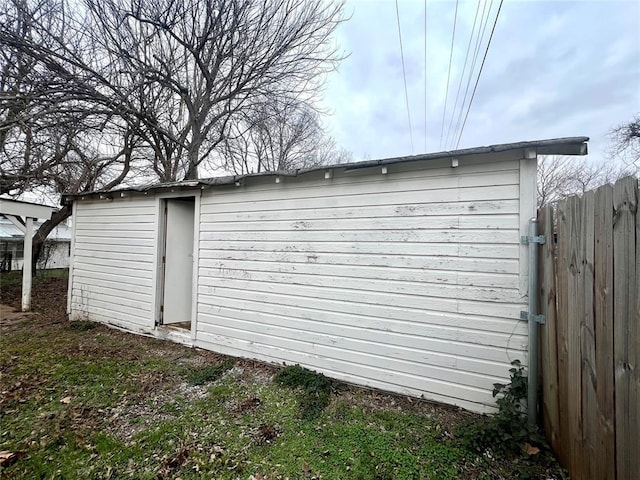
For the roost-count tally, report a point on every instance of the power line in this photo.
(479, 38)
(479, 73)
(464, 69)
(404, 75)
(453, 36)
(425, 75)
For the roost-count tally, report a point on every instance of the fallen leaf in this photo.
(531, 450)
(305, 468)
(66, 400)
(7, 458)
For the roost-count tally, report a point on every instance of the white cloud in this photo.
(554, 69)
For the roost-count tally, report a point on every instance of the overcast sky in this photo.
(554, 69)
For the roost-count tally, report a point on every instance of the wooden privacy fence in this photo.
(590, 344)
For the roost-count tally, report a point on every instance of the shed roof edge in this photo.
(556, 146)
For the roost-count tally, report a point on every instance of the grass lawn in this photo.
(80, 400)
(14, 278)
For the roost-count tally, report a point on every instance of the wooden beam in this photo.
(25, 209)
(17, 221)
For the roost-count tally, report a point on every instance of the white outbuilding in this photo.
(55, 253)
(405, 274)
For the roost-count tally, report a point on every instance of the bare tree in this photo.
(31, 140)
(560, 176)
(86, 168)
(186, 68)
(51, 136)
(278, 135)
(164, 78)
(179, 70)
(626, 142)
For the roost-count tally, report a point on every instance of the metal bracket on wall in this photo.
(541, 319)
(539, 239)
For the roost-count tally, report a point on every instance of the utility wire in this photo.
(464, 69)
(453, 36)
(479, 73)
(404, 75)
(479, 38)
(425, 76)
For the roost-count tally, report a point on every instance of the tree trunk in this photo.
(43, 232)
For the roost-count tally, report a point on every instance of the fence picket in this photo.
(548, 332)
(625, 204)
(588, 415)
(565, 454)
(574, 318)
(603, 319)
(634, 342)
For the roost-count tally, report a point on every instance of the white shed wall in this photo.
(112, 273)
(408, 281)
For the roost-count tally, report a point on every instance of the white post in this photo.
(26, 267)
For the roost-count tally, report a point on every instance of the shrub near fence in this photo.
(590, 344)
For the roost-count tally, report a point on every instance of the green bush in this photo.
(506, 432)
(315, 389)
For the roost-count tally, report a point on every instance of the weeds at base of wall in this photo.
(315, 389)
(209, 373)
(507, 433)
(82, 325)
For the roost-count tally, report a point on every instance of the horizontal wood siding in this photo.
(113, 265)
(407, 281)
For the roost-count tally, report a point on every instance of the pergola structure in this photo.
(22, 214)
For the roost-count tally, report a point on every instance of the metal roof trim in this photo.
(556, 146)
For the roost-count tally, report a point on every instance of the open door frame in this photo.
(160, 252)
